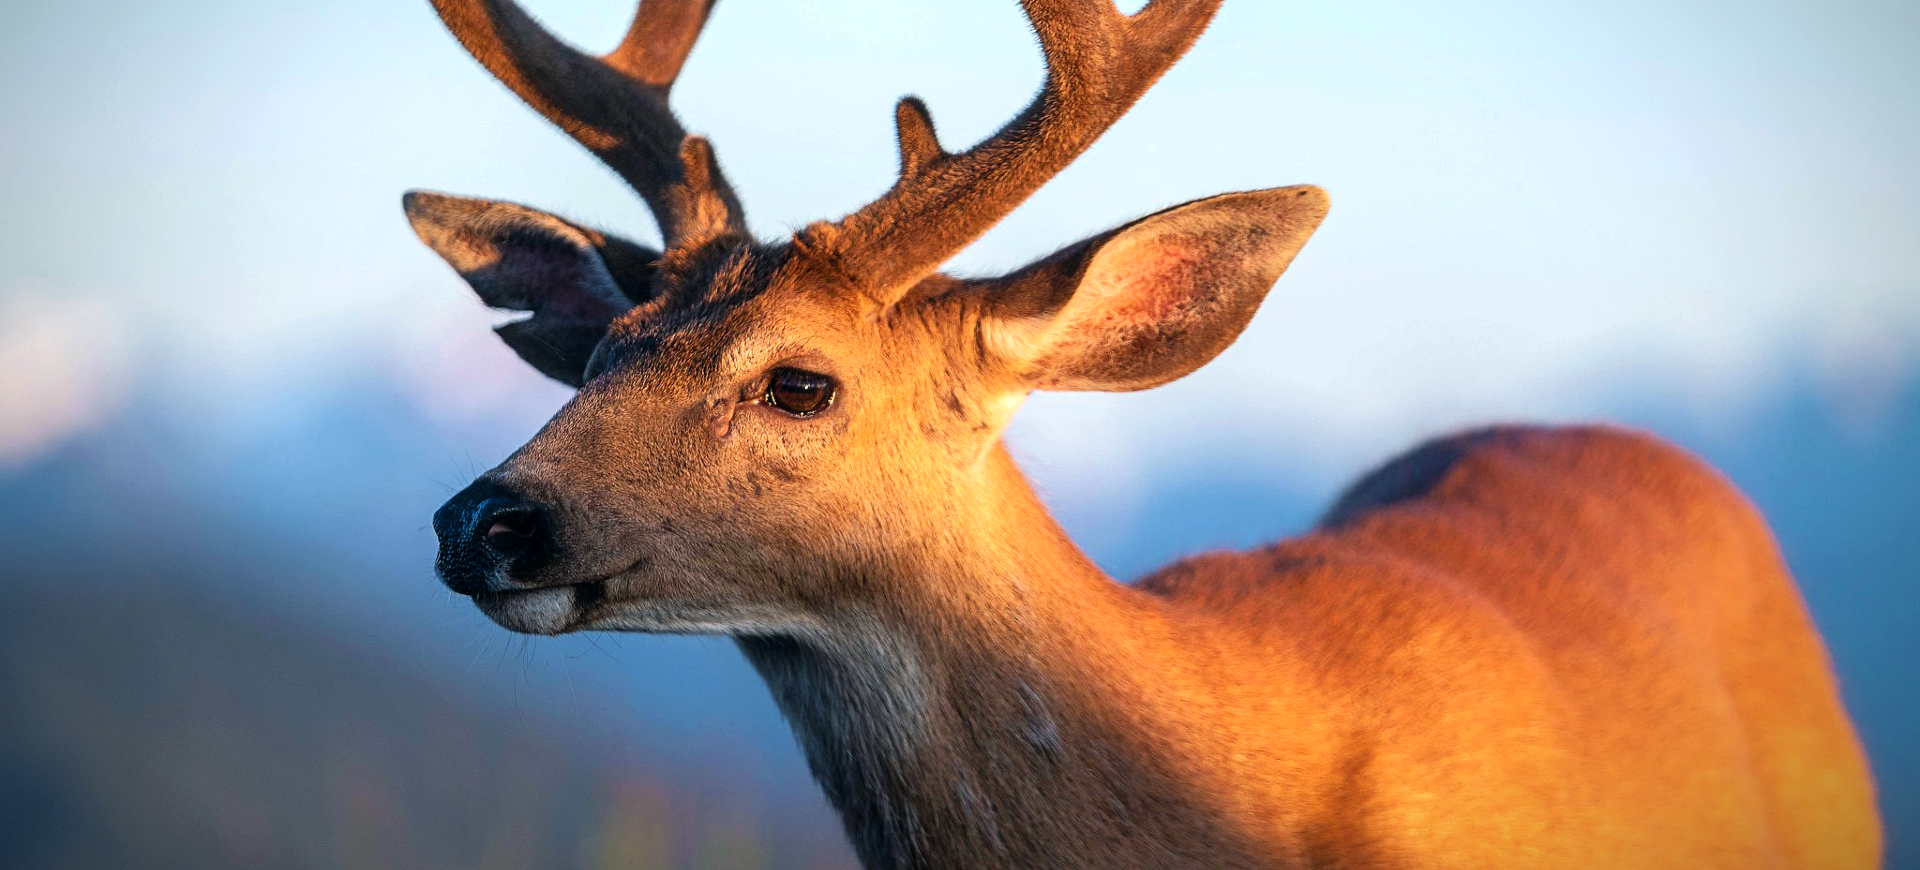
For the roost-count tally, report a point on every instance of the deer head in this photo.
(760, 428)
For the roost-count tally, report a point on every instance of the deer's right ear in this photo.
(1149, 302)
(574, 280)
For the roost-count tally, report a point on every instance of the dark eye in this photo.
(802, 394)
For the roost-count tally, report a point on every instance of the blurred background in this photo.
(233, 386)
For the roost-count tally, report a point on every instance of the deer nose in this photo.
(488, 533)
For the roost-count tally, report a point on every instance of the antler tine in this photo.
(614, 105)
(1099, 62)
(659, 40)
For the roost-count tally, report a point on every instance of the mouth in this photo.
(547, 610)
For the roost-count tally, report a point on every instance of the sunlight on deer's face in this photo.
(736, 447)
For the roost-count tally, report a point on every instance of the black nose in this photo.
(488, 534)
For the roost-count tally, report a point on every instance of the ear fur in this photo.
(1152, 301)
(574, 280)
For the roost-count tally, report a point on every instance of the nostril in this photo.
(514, 525)
(508, 527)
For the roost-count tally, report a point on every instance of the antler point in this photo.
(919, 142)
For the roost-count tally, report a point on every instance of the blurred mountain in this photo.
(165, 728)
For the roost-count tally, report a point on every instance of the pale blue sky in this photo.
(1538, 208)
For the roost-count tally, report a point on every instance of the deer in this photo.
(1519, 646)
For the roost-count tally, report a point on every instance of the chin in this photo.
(552, 610)
(615, 604)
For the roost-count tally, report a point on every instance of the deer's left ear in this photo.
(575, 280)
(1154, 300)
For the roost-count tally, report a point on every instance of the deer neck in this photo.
(950, 726)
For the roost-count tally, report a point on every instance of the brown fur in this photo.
(1515, 648)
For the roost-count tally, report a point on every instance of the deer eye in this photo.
(800, 393)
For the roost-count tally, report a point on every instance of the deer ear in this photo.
(574, 280)
(1154, 300)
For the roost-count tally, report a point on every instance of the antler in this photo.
(1099, 62)
(615, 105)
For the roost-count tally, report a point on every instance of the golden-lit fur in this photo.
(1526, 648)
(1548, 647)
